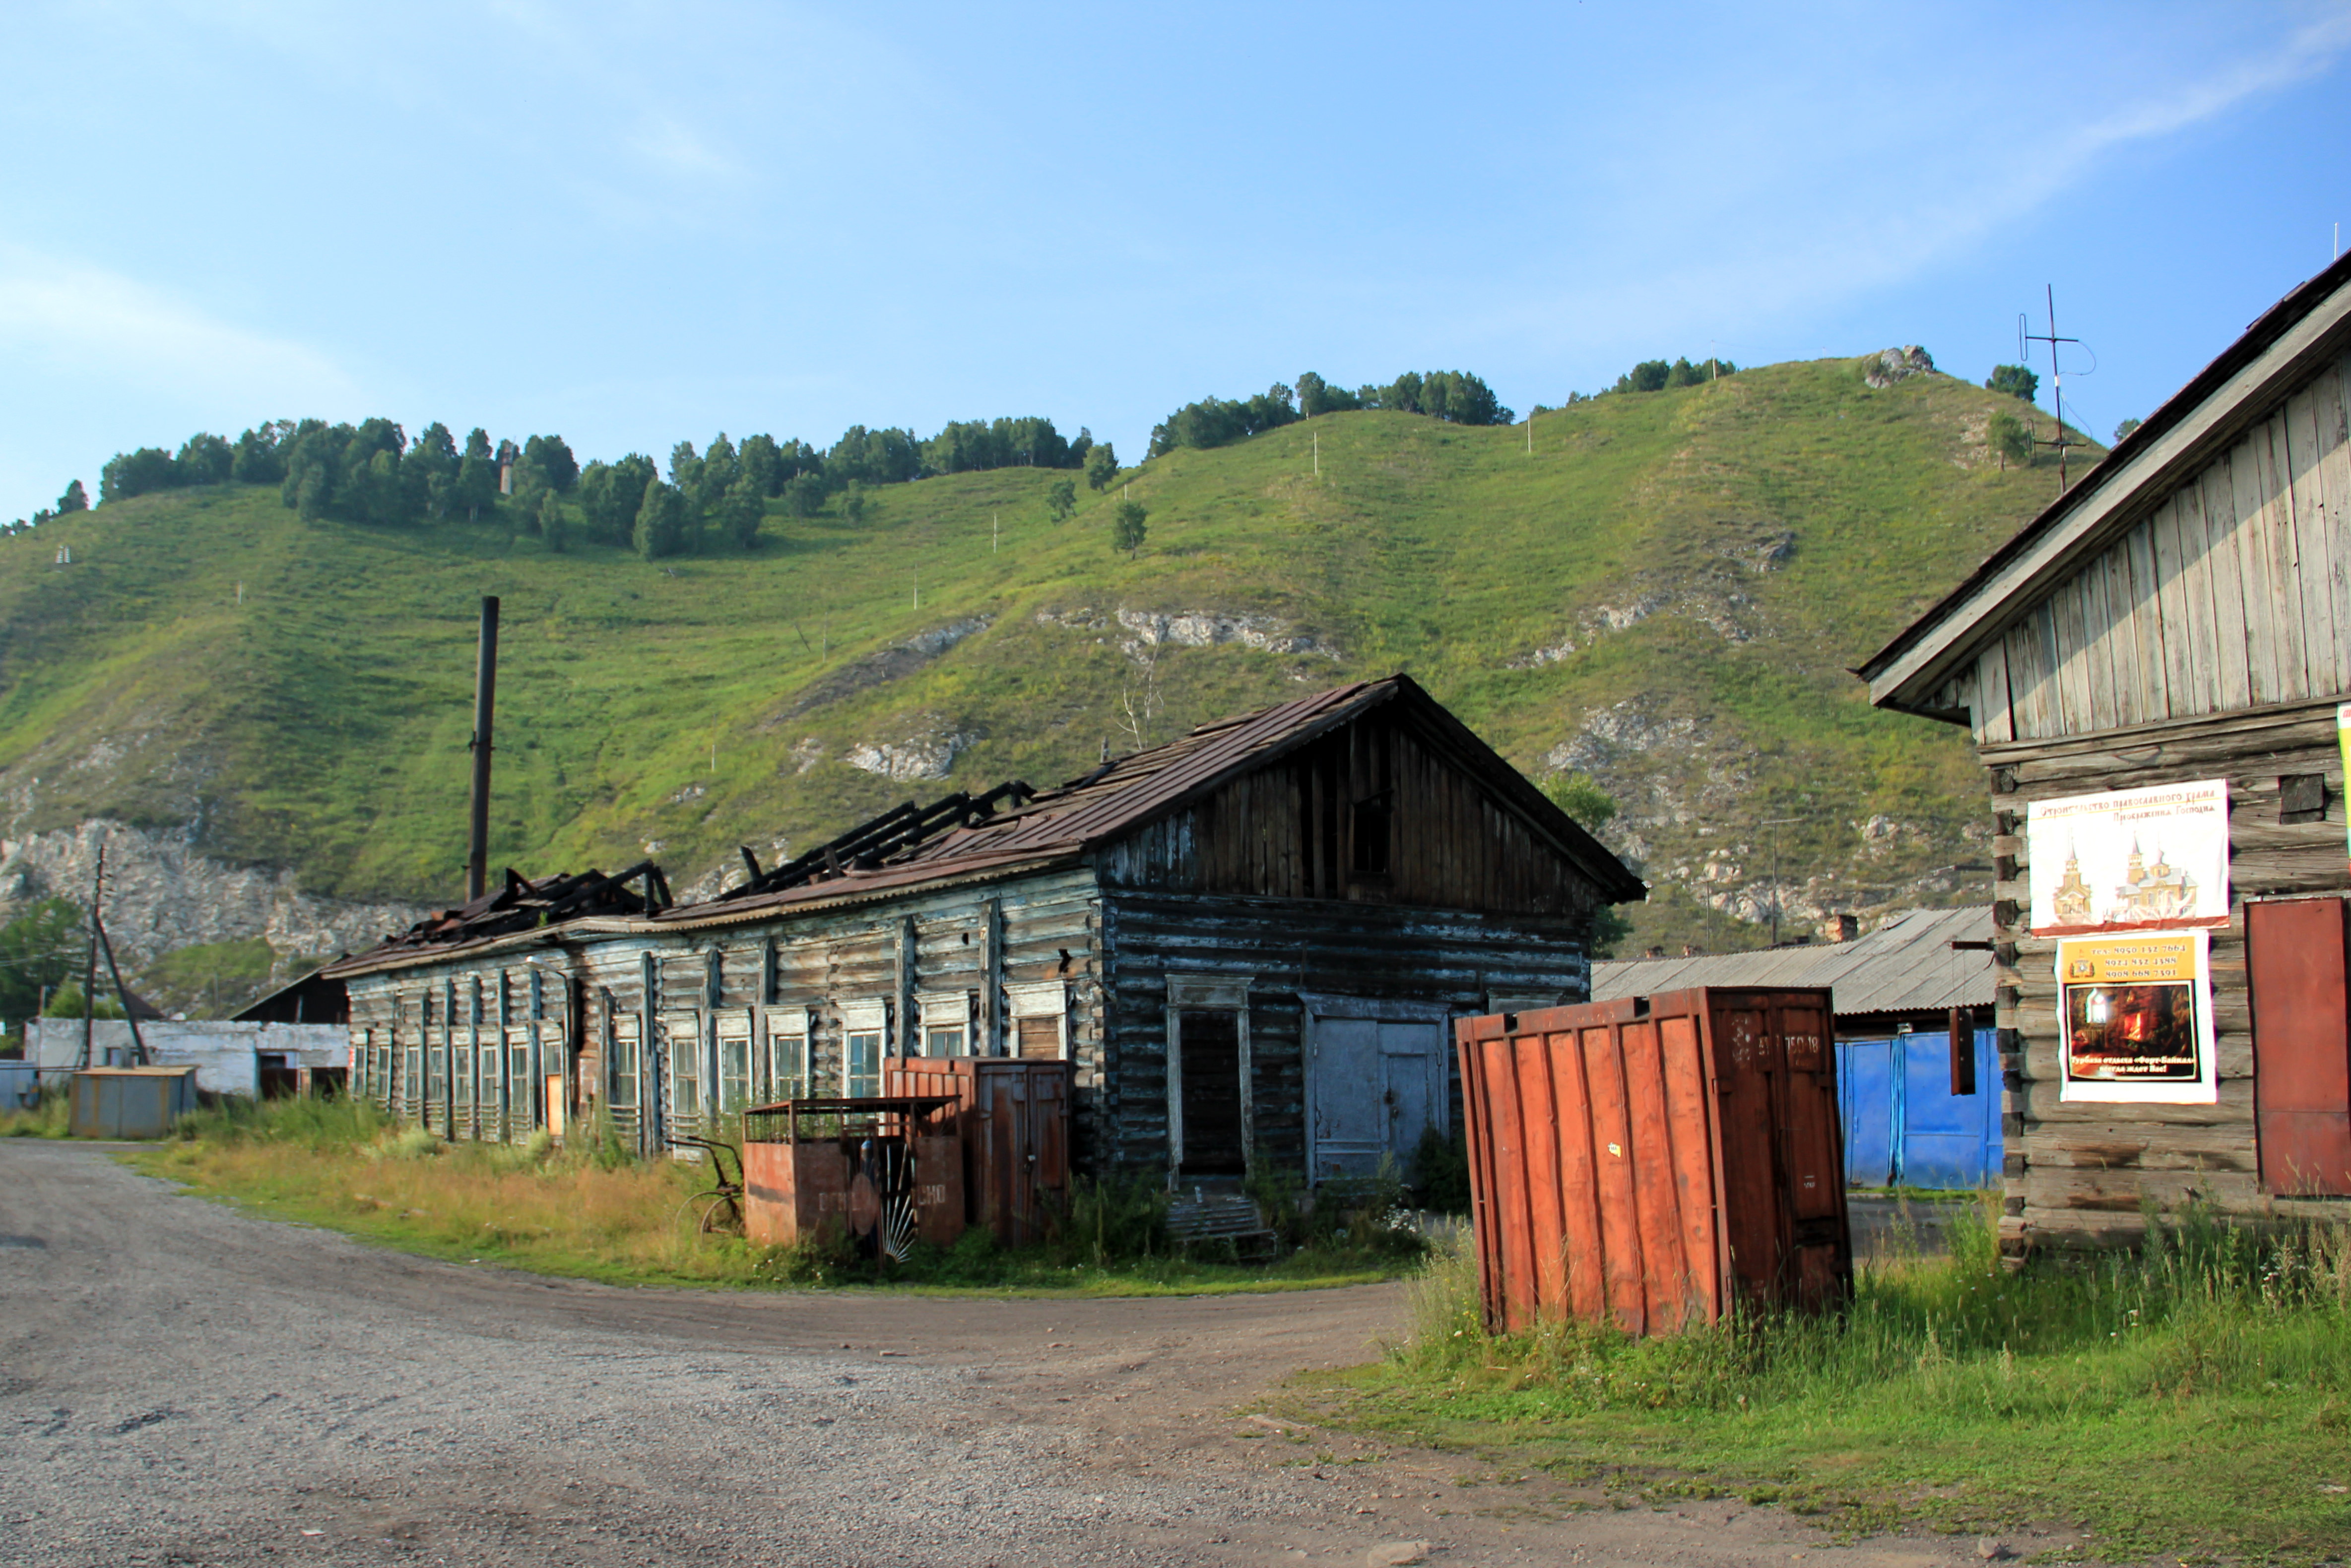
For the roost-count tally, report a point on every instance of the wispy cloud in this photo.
(1880, 242)
(62, 318)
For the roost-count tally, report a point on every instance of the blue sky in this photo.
(631, 224)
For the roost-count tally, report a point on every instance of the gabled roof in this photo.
(2277, 352)
(1129, 792)
(1014, 829)
(1906, 965)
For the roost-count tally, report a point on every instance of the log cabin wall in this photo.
(688, 991)
(1290, 949)
(2078, 1173)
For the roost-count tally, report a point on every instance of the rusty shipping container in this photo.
(1651, 1160)
(1013, 1118)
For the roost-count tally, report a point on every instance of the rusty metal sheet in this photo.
(1649, 1162)
(1012, 1117)
(2295, 964)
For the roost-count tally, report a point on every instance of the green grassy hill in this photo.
(1667, 591)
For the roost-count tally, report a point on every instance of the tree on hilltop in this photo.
(2016, 381)
(1102, 466)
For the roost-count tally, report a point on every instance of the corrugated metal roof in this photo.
(1906, 965)
(1130, 791)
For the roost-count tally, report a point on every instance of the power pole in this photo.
(90, 970)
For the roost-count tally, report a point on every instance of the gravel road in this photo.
(184, 1383)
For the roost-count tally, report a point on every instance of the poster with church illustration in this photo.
(2132, 860)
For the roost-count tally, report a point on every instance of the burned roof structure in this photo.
(1246, 943)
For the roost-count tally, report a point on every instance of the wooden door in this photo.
(2295, 956)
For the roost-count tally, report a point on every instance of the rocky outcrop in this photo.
(1888, 366)
(925, 756)
(892, 663)
(162, 894)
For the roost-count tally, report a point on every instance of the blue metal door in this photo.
(1865, 1081)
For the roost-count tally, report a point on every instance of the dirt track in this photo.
(181, 1384)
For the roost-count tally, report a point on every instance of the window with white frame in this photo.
(734, 1059)
(864, 1034)
(947, 1023)
(1040, 1019)
(787, 1053)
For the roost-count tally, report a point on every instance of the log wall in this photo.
(2078, 1174)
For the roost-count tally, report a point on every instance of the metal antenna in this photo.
(2057, 379)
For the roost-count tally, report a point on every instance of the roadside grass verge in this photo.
(2193, 1400)
(589, 1211)
(48, 1117)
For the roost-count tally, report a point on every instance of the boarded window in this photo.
(2295, 958)
(1041, 1038)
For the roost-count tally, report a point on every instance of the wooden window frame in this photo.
(870, 1016)
(791, 1023)
(944, 1011)
(1208, 993)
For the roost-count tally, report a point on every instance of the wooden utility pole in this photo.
(485, 691)
(90, 970)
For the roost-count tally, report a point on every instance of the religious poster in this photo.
(2135, 1018)
(2130, 859)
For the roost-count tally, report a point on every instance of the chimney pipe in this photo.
(485, 689)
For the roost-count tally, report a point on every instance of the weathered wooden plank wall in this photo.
(1302, 828)
(2078, 1173)
(2233, 591)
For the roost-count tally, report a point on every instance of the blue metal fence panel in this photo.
(1904, 1126)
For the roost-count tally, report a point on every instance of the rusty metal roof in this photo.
(1906, 965)
(1128, 791)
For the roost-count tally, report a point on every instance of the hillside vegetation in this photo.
(1666, 592)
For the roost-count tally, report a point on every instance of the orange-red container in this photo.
(1650, 1161)
(1013, 1116)
(796, 1191)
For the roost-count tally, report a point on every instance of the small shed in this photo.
(1917, 1092)
(2156, 674)
(129, 1102)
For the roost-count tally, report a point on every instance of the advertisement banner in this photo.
(2131, 859)
(2135, 1017)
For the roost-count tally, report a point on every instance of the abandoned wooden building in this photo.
(1248, 944)
(2155, 670)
